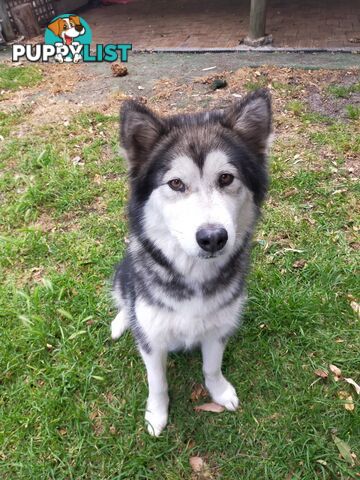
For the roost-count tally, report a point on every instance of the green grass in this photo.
(296, 107)
(72, 402)
(13, 78)
(353, 112)
(7, 120)
(341, 91)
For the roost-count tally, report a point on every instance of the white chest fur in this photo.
(189, 323)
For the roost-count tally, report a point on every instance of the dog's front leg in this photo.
(156, 415)
(221, 391)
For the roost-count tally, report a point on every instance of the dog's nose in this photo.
(212, 238)
(79, 28)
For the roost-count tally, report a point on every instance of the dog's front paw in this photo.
(223, 393)
(156, 415)
(59, 58)
(228, 398)
(156, 421)
(77, 58)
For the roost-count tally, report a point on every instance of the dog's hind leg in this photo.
(119, 324)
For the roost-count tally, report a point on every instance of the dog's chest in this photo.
(186, 325)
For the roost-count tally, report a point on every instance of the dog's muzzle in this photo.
(212, 238)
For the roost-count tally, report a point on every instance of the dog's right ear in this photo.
(56, 26)
(140, 130)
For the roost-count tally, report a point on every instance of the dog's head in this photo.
(197, 180)
(67, 28)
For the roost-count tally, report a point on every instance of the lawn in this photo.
(72, 402)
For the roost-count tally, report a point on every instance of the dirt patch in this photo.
(329, 105)
(353, 166)
(67, 90)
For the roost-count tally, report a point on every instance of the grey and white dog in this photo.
(197, 183)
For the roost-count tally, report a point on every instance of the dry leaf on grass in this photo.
(77, 160)
(299, 263)
(354, 384)
(197, 464)
(355, 306)
(348, 400)
(321, 373)
(344, 449)
(198, 392)
(291, 192)
(336, 371)
(210, 407)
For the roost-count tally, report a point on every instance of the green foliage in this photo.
(353, 112)
(13, 78)
(342, 91)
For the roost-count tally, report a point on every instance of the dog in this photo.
(197, 183)
(68, 29)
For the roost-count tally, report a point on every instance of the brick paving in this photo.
(211, 23)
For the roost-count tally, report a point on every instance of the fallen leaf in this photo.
(354, 384)
(37, 274)
(321, 373)
(77, 160)
(119, 70)
(348, 400)
(336, 371)
(210, 407)
(197, 464)
(299, 263)
(355, 306)
(291, 192)
(198, 392)
(344, 449)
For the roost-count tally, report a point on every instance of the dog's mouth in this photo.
(68, 40)
(209, 256)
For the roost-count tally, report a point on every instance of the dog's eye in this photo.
(225, 179)
(177, 185)
(72, 24)
(65, 27)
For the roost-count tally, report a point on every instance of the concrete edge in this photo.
(245, 49)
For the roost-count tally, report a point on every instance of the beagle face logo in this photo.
(68, 39)
(70, 32)
(67, 28)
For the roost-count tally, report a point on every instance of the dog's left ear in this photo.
(75, 19)
(251, 118)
